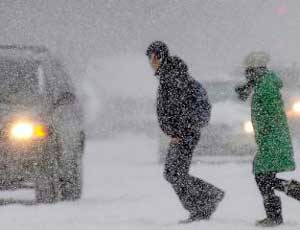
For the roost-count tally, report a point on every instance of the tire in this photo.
(71, 184)
(46, 184)
(71, 181)
(45, 190)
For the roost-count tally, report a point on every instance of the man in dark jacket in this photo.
(182, 110)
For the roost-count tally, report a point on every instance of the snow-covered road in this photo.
(124, 189)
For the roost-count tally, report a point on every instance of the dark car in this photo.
(41, 128)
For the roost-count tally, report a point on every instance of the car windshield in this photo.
(19, 81)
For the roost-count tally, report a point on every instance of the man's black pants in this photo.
(267, 183)
(196, 195)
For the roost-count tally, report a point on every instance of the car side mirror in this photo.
(65, 98)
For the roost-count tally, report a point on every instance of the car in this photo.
(230, 131)
(120, 108)
(41, 125)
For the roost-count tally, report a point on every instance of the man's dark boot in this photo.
(268, 223)
(273, 211)
(205, 211)
(293, 189)
(195, 217)
(215, 202)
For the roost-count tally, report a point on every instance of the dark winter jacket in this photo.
(178, 102)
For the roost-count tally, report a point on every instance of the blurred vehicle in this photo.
(230, 132)
(41, 132)
(122, 99)
(127, 115)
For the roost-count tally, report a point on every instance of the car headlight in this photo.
(22, 130)
(25, 130)
(296, 107)
(248, 127)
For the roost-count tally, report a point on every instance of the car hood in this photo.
(9, 112)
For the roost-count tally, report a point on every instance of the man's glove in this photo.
(243, 91)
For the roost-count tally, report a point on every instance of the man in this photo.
(182, 110)
(275, 150)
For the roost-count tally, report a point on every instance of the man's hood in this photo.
(173, 66)
(178, 64)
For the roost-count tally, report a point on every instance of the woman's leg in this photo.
(272, 203)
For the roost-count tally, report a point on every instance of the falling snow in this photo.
(96, 133)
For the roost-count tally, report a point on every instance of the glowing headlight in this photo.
(296, 107)
(27, 130)
(248, 127)
(22, 130)
(40, 131)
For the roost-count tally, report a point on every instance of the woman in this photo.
(272, 136)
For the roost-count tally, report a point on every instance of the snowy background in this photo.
(102, 43)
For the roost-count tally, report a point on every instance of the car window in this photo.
(58, 80)
(41, 79)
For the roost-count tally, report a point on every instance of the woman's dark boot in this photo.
(273, 211)
(293, 189)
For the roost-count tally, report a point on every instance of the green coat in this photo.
(275, 150)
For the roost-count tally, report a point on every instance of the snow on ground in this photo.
(124, 189)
